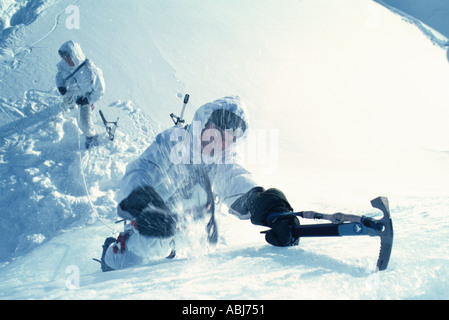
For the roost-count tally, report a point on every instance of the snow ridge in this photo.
(434, 36)
(14, 13)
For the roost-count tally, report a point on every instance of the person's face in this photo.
(69, 61)
(213, 134)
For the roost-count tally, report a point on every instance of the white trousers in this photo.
(86, 124)
(138, 250)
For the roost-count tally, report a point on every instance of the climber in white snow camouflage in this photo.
(181, 175)
(81, 83)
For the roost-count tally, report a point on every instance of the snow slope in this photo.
(347, 100)
(429, 16)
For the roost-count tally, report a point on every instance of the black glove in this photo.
(156, 222)
(152, 216)
(82, 101)
(282, 232)
(271, 208)
(62, 90)
(241, 206)
(138, 200)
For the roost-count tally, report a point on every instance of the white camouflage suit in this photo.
(169, 167)
(82, 79)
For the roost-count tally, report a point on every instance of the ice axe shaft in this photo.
(338, 218)
(102, 117)
(332, 230)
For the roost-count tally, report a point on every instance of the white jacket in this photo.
(85, 81)
(181, 180)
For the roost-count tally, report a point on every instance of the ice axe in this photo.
(351, 225)
(179, 121)
(110, 126)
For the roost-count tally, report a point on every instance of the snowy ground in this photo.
(349, 101)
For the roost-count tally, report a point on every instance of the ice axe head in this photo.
(385, 233)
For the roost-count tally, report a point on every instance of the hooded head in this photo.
(228, 113)
(222, 125)
(217, 128)
(71, 52)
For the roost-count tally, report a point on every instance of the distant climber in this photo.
(81, 83)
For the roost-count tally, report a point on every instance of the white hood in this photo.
(73, 49)
(231, 103)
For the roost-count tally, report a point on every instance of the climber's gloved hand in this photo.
(269, 208)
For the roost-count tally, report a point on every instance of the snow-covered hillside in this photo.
(347, 102)
(430, 16)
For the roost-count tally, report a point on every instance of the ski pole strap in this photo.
(359, 225)
(336, 218)
(276, 215)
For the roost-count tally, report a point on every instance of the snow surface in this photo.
(430, 16)
(349, 103)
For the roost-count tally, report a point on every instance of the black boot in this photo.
(107, 243)
(91, 141)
